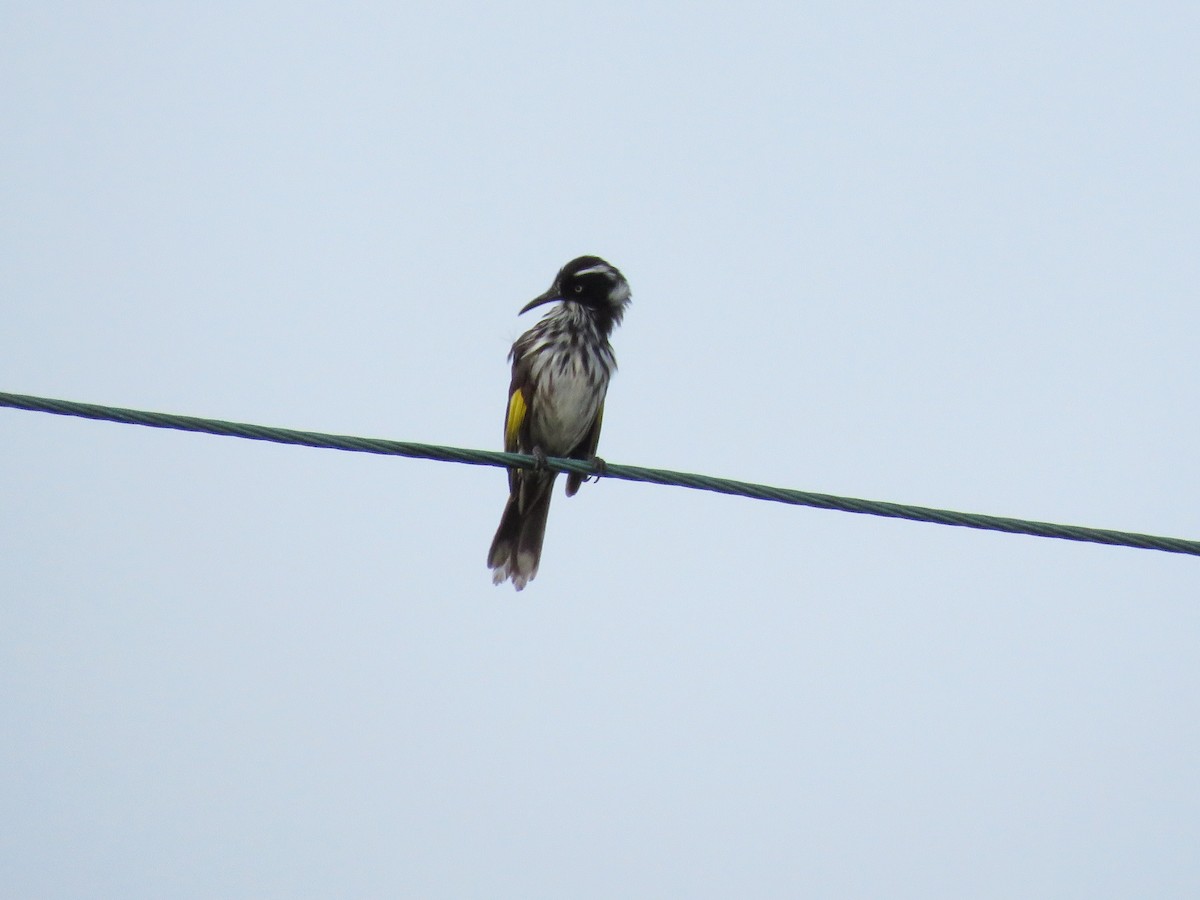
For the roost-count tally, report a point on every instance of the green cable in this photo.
(626, 473)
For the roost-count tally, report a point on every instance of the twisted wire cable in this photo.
(625, 473)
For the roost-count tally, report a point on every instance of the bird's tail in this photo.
(517, 546)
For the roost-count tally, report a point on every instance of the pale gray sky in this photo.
(941, 254)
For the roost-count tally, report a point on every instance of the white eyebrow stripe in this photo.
(595, 270)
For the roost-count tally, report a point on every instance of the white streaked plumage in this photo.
(561, 368)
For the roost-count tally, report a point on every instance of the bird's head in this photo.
(593, 284)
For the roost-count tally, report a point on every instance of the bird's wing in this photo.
(516, 417)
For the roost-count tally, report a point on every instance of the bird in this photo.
(561, 368)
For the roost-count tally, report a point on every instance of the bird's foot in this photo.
(539, 459)
(601, 468)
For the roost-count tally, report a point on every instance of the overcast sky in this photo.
(932, 253)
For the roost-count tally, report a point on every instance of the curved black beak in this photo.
(549, 297)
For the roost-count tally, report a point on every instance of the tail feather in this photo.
(517, 547)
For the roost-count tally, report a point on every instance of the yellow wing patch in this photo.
(512, 422)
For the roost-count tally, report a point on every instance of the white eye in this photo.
(579, 288)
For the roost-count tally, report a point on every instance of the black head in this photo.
(593, 284)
